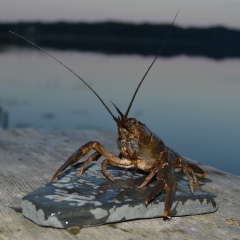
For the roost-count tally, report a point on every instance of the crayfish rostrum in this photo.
(139, 149)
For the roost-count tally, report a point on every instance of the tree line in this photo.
(125, 38)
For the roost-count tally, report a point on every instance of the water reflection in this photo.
(192, 103)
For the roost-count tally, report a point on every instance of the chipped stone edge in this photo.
(38, 216)
(141, 212)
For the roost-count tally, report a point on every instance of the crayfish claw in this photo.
(167, 181)
(159, 186)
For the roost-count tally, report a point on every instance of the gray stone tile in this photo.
(94, 200)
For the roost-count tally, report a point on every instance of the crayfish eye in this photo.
(134, 121)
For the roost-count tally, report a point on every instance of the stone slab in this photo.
(94, 200)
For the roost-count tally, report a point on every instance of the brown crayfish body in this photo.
(140, 149)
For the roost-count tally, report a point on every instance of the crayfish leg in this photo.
(149, 177)
(99, 151)
(197, 170)
(94, 157)
(153, 171)
(75, 157)
(190, 168)
(124, 164)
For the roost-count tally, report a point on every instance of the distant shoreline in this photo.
(125, 38)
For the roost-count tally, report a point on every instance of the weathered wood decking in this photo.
(28, 159)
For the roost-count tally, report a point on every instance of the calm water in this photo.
(192, 103)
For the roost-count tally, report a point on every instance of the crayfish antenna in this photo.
(35, 45)
(159, 51)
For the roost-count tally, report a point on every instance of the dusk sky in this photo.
(192, 12)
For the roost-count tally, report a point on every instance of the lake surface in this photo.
(191, 103)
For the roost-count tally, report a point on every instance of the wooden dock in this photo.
(29, 157)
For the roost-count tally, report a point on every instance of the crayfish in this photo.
(139, 148)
